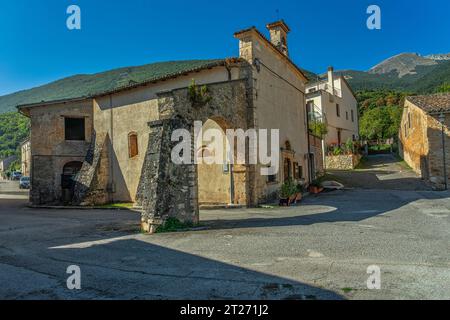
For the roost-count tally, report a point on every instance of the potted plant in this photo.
(299, 192)
(288, 193)
(315, 187)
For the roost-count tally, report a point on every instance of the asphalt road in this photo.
(318, 250)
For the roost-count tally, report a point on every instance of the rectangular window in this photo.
(353, 116)
(346, 115)
(133, 145)
(409, 120)
(74, 129)
(272, 178)
(338, 110)
(298, 171)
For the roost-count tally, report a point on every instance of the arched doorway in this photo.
(70, 171)
(214, 172)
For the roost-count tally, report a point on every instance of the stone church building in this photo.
(115, 145)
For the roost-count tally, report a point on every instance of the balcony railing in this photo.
(326, 87)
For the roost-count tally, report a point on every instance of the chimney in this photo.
(331, 79)
(278, 35)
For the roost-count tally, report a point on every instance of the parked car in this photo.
(16, 175)
(24, 183)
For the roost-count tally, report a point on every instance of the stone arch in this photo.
(171, 190)
(213, 170)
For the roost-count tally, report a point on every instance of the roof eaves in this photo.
(210, 65)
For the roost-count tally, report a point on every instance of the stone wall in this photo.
(316, 149)
(421, 144)
(342, 162)
(91, 187)
(435, 163)
(51, 152)
(413, 139)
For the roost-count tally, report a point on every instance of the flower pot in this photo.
(315, 189)
(284, 202)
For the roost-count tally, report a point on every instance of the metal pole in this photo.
(443, 157)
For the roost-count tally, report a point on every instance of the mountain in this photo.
(404, 72)
(88, 84)
(402, 64)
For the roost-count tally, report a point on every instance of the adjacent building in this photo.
(332, 98)
(425, 136)
(5, 163)
(115, 145)
(25, 149)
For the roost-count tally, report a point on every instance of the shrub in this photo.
(172, 225)
(288, 189)
(337, 151)
(198, 95)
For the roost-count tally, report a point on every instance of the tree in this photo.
(445, 87)
(14, 128)
(376, 124)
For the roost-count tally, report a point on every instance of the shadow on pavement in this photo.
(335, 206)
(132, 269)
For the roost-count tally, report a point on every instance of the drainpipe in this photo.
(442, 121)
(231, 168)
(309, 146)
(111, 151)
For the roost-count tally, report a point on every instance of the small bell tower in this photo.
(278, 35)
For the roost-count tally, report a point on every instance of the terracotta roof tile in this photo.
(433, 103)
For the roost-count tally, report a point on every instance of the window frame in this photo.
(136, 143)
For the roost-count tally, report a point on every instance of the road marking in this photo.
(314, 254)
(89, 244)
(13, 197)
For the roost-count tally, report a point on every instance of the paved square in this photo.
(318, 250)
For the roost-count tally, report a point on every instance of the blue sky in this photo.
(37, 48)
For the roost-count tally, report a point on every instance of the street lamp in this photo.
(442, 121)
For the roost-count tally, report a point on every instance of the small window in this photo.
(338, 110)
(272, 178)
(288, 146)
(409, 120)
(346, 115)
(205, 153)
(353, 116)
(74, 129)
(133, 149)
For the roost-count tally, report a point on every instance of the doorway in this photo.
(70, 171)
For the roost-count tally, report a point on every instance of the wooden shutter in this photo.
(133, 145)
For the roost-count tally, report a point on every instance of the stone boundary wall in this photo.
(342, 162)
